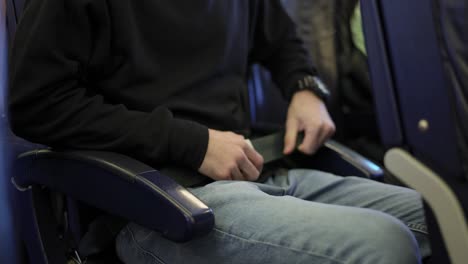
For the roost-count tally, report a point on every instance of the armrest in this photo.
(121, 186)
(332, 157)
(445, 197)
(368, 168)
(338, 159)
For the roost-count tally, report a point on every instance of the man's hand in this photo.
(309, 114)
(229, 157)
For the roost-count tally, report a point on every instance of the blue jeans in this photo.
(297, 216)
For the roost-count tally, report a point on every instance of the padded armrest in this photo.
(121, 186)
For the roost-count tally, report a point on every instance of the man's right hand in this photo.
(230, 157)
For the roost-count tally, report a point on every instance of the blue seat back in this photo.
(10, 246)
(264, 97)
(417, 58)
(411, 87)
(24, 233)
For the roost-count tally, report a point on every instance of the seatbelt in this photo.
(271, 146)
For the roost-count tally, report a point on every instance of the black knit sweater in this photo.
(145, 77)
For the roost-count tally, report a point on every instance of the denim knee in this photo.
(390, 240)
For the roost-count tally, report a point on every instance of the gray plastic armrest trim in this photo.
(439, 197)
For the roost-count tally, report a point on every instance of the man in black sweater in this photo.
(165, 82)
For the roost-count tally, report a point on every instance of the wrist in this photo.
(302, 95)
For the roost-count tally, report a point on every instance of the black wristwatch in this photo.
(315, 85)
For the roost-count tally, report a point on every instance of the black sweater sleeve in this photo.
(50, 101)
(277, 46)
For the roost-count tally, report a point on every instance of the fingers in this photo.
(254, 157)
(307, 113)
(326, 133)
(248, 170)
(230, 157)
(251, 166)
(248, 163)
(311, 140)
(315, 136)
(292, 127)
(236, 174)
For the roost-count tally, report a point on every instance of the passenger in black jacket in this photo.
(165, 82)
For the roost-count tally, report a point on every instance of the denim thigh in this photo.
(297, 216)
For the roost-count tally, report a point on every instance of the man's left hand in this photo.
(307, 113)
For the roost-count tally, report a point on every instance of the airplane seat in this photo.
(51, 223)
(10, 245)
(55, 189)
(331, 36)
(417, 58)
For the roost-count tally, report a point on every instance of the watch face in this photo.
(321, 86)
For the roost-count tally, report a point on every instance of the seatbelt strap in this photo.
(271, 146)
